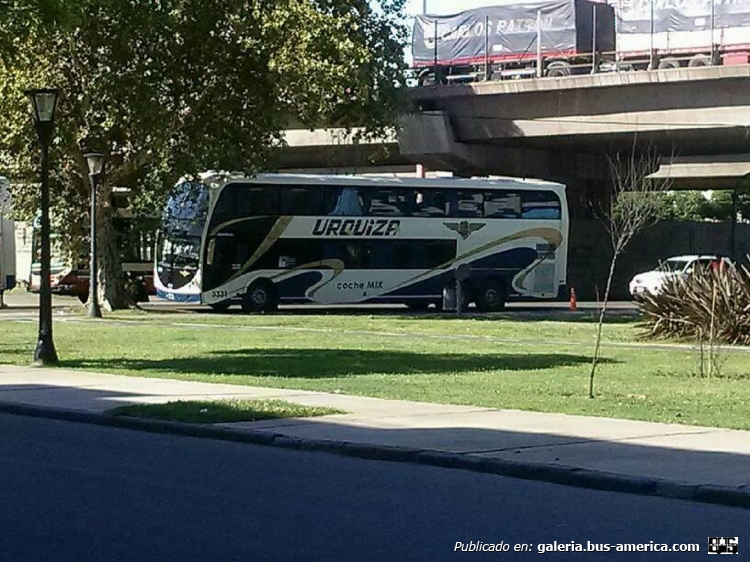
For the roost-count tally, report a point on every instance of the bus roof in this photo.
(359, 181)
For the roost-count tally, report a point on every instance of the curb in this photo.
(558, 474)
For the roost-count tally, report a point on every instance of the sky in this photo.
(442, 7)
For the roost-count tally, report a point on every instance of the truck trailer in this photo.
(547, 38)
(666, 34)
(578, 36)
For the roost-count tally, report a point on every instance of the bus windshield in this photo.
(178, 245)
(179, 251)
(186, 207)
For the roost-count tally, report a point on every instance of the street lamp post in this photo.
(95, 161)
(44, 103)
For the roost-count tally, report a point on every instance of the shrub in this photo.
(705, 305)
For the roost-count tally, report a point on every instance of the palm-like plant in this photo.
(704, 305)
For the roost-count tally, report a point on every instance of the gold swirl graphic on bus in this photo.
(332, 263)
(335, 265)
(275, 233)
(224, 225)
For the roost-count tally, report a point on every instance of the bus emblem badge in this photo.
(464, 228)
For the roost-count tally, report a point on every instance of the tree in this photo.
(176, 87)
(634, 203)
(693, 206)
(683, 206)
(720, 205)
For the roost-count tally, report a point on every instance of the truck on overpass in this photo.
(557, 38)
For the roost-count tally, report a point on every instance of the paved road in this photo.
(79, 492)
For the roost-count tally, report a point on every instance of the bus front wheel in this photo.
(492, 295)
(260, 297)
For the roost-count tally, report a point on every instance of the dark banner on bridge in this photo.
(508, 31)
(634, 16)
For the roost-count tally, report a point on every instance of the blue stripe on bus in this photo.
(507, 263)
(178, 297)
(296, 287)
(515, 260)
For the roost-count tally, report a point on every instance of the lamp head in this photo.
(44, 103)
(95, 161)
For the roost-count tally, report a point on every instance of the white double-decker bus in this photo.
(275, 239)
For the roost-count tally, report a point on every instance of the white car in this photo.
(680, 266)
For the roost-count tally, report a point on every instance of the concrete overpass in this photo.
(562, 128)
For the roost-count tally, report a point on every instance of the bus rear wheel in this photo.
(260, 297)
(491, 296)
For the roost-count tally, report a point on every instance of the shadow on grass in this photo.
(8, 349)
(328, 363)
(17, 350)
(520, 313)
(517, 315)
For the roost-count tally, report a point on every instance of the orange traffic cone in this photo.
(573, 299)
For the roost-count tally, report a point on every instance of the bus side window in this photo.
(253, 200)
(305, 200)
(502, 205)
(540, 205)
(348, 203)
(388, 203)
(467, 204)
(429, 203)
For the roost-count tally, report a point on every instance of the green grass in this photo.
(501, 363)
(222, 411)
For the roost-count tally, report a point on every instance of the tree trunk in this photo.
(112, 290)
(602, 312)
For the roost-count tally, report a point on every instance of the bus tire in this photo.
(491, 296)
(260, 297)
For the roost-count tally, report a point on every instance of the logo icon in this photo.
(464, 228)
(723, 545)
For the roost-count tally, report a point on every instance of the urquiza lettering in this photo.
(356, 227)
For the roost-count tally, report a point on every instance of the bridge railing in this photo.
(527, 67)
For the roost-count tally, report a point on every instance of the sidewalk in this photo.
(697, 463)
